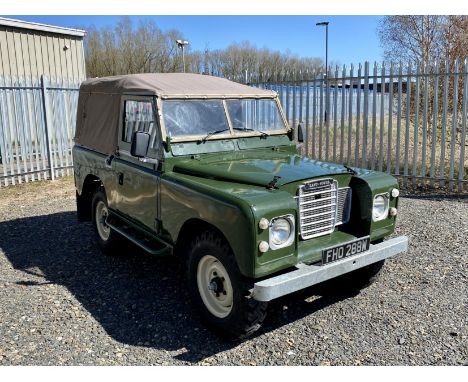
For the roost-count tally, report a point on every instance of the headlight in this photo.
(380, 208)
(281, 231)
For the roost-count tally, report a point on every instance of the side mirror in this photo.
(140, 144)
(300, 134)
(291, 133)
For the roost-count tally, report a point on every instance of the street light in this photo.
(182, 44)
(325, 24)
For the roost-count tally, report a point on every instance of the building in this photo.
(29, 50)
(41, 69)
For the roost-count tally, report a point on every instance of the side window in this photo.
(139, 116)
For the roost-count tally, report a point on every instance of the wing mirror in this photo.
(140, 144)
(300, 134)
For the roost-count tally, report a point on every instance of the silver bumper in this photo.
(308, 275)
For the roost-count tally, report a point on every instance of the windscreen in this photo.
(255, 114)
(187, 117)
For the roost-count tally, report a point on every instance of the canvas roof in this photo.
(173, 85)
(99, 101)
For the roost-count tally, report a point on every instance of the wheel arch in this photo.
(191, 228)
(196, 226)
(83, 200)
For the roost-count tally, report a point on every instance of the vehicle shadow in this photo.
(138, 299)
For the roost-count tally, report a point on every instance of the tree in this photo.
(456, 37)
(427, 40)
(125, 49)
(412, 37)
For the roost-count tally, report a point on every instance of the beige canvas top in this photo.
(173, 85)
(99, 102)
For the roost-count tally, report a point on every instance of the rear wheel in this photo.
(218, 290)
(107, 239)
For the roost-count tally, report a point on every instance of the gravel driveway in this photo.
(63, 303)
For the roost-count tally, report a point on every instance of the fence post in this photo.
(416, 125)
(453, 137)
(45, 105)
(435, 116)
(365, 116)
(461, 168)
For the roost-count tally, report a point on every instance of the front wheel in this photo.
(219, 291)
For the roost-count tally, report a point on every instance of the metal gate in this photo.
(37, 125)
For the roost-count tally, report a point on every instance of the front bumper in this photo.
(308, 275)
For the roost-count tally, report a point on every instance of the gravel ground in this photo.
(63, 303)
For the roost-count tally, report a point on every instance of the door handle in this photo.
(121, 178)
(108, 161)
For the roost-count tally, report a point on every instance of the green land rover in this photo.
(208, 170)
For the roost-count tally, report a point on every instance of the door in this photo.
(137, 182)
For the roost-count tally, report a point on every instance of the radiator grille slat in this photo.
(322, 206)
(344, 205)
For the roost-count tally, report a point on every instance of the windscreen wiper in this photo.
(349, 169)
(262, 134)
(212, 133)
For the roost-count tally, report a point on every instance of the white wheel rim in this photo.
(101, 216)
(214, 286)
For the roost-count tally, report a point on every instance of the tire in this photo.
(107, 239)
(218, 290)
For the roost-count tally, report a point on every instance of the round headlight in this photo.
(380, 208)
(280, 231)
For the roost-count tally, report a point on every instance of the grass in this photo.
(61, 188)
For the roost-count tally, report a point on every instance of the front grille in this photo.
(322, 206)
(344, 205)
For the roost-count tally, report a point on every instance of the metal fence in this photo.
(37, 125)
(406, 120)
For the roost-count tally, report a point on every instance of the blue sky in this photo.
(352, 39)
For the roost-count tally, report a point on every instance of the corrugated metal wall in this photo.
(30, 53)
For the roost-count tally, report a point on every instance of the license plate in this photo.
(343, 251)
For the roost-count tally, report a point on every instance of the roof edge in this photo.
(41, 27)
(216, 96)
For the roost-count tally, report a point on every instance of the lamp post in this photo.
(181, 44)
(325, 24)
